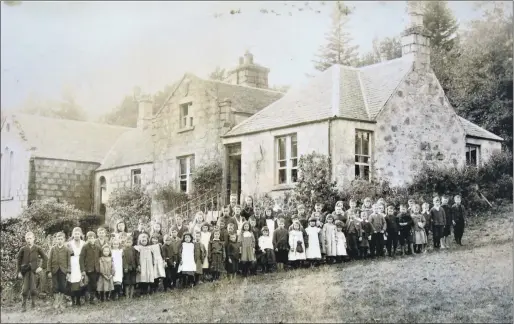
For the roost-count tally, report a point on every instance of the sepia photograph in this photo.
(256, 162)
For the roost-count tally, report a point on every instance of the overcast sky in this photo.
(101, 50)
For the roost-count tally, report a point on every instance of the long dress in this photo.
(147, 273)
(205, 238)
(117, 259)
(187, 258)
(247, 247)
(106, 269)
(76, 273)
(329, 239)
(313, 251)
(217, 255)
(420, 237)
(295, 237)
(158, 264)
(340, 244)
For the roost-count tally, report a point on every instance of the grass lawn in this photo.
(465, 284)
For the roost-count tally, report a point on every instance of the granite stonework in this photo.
(118, 178)
(417, 128)
(69, 181)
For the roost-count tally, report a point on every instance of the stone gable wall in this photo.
(69, 181)
(417, 128)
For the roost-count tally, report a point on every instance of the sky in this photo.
(99, 51)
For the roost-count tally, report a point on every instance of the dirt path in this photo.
(465, 285)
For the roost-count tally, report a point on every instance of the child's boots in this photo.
(24, 304)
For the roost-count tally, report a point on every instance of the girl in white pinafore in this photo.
(75, 245)
(187, 264)
(146, 276)
(296, 245)
(205, 239)
(340, 242)
(117, 260)
(313, 233)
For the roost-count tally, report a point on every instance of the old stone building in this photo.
(51, 158)
(384, 122)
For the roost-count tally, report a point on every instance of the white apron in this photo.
(313, 251)
(271, 226)
(76, 273)
(340, 244)
(117, 259)
(188, 257)
(205, 238)
(239, 224)
(294, 237)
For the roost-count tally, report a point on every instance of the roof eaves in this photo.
(100, 168)
(277, 127)
(499, 139)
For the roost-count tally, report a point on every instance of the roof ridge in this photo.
(364, 96)
(240, 85)
(14, 114)
(381, 63)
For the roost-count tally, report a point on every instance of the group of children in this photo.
(239, 241)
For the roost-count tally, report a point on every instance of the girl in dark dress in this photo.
(248, 208)
(216, 255)
(366, 231)
(233, 256)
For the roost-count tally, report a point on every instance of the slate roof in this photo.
(132, 147)
(340, 91)
(67, 139)
(477, 131)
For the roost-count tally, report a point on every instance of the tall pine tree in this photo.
(338, 49)
(441, 26)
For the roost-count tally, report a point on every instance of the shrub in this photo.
(52, 215)
(314, 182)
(130, 204)
(207, 177)
(169, 196)
(90, 222)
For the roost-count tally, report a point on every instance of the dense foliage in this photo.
(207, 177)
(169, 196)
(129, 204)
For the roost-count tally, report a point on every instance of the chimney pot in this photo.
(145, 111)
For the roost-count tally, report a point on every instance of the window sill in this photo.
(282, 187)
(185, 129)
(8, 199)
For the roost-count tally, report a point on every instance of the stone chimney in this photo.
(145, 111)
(415, 40)
(249, 73)
(383, 56)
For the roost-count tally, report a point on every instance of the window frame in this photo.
(478, 148)
(291, 162)
(358, 155)
(186, 120)
(187, 176)
(135, 174)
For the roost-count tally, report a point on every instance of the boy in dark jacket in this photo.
(458, 219)
(27, 268)
(281, 244)
(90, 264)
(170, 256)
(438, 221)
(377, 219)
(59, 268)
(393, 227)
(447, 231)
(405, 222)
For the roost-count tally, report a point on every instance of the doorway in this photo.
(233, 172)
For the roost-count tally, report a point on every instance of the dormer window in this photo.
(186, 116)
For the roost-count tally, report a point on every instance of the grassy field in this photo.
(465, 284)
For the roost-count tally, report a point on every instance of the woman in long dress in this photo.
(75, 246)
(205, 239)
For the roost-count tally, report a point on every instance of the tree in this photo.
(481, 80)
(389, 47)
(338, 49)
(125, 114)
(441, 26)
(64, 108)
(218, 74)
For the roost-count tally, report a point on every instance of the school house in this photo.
(385, 121)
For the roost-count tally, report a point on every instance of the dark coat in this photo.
(393, 224)
(437, 217)
(405, 218)
(247, 212)
(458, 214)
(447, 214)
(130, 259)
(90, 258)
(281, 239)
(59, 259)
(170, 252)
(31, 255)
